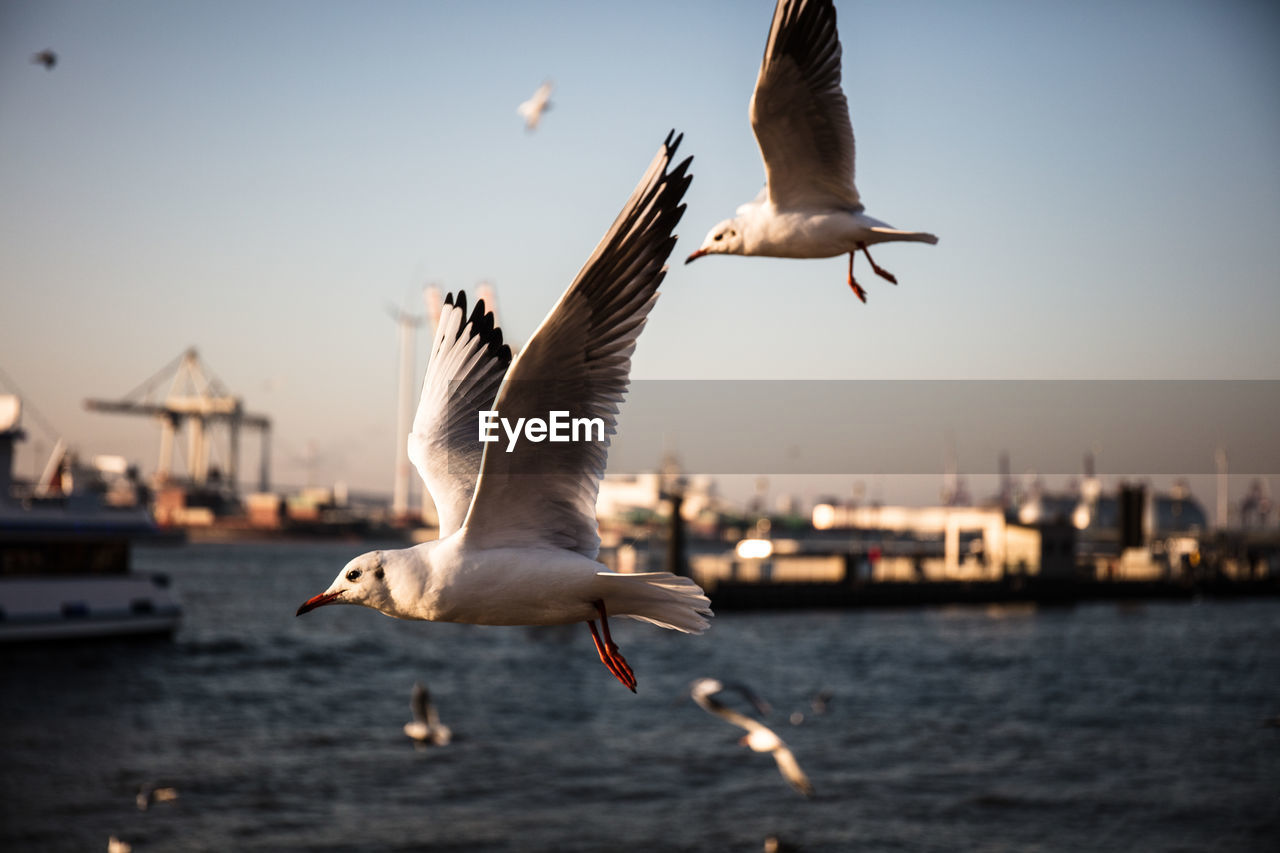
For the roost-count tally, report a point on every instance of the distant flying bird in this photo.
(426, 728)
(46, 57)
(148, 795)
(774, 844)
(533, 108)
(809, 206)
(518, 529)
(819, 702)
(759, 737)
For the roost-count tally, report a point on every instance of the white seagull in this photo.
(759, 737)
(426, 728)
(809, 206)
(148, 794)
(518, 540)
(533, 108)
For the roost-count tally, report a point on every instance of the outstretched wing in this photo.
(578, 361)
(419, 703)
(468, 359)
(799, 112)
(790, 770)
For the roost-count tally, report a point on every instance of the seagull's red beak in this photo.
(696, 255)
(318, 601)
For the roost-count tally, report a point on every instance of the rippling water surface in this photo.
(1098, 727)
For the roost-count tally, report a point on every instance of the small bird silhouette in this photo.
(46, 57)
(147, 795)
(426, 728)
(759, 737)
(533, 108)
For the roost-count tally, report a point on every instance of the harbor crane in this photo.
(198, 401)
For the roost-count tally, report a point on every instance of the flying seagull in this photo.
(149, 794)
(46, 57)
(819, 702)
(533, 108)
(759, 737)
(518, 531)
(426, 728)
(809, 206)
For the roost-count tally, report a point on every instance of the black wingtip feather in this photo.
(480, 324)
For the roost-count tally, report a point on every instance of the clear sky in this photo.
(259, 180)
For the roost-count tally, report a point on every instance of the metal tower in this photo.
(200, 402)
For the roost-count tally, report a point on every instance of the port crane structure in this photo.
(198, 401)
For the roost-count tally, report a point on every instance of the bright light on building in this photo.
(824, 516)
(754, 549)
(1081, 517)
(111, 464)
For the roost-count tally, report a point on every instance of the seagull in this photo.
(46, 57)
(819, 702)
(759, 737)
(115, 845)
(426, 728)
(518, 531)
(148, 795)
(809, 206)
(533, 108)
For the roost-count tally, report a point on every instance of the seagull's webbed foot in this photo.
(608, 650)
(877, 269)
(857, 288)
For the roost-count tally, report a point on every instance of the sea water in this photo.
(1096, 727)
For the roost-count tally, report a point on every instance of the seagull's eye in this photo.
(353, 575)
(719, 237)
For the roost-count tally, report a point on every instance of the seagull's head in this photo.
(361, 581)
(724, 239)
(701, 688)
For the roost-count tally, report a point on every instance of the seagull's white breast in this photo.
(514, 586)
(763, 740)
(800, 234)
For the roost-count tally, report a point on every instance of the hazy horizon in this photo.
(260, 180)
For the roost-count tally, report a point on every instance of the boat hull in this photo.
(81, 607)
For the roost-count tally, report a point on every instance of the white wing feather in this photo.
(799, 112)
(578, 360)
(468, 360)
(790, 769)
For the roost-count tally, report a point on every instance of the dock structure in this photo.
(197, 401)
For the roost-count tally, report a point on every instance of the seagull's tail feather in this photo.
(895, 235)
(661, 598)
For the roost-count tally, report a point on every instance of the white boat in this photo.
(64, 559)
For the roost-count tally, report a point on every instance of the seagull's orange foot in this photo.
(853, 285)
(608, 651)
(879, 270)
(857, 289)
